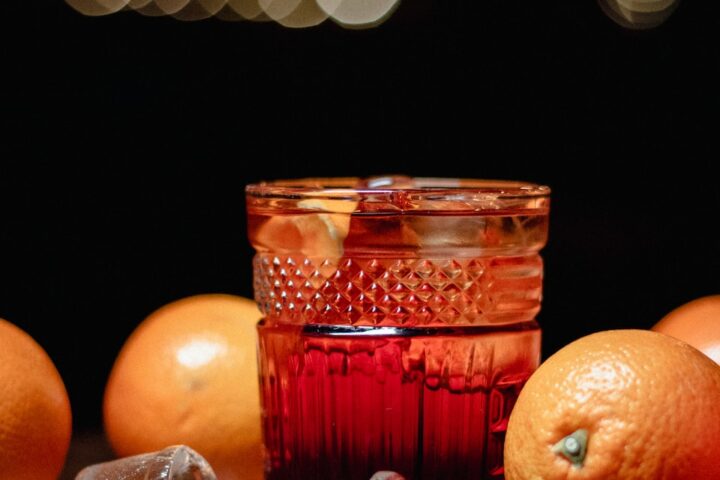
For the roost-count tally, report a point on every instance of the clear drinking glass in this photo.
(399, 322)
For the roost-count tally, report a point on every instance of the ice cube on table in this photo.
(387, 476)
(173, 463)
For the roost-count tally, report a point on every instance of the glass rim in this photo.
(404, 193)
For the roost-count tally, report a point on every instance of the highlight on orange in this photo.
(35, 417)
(352, 14)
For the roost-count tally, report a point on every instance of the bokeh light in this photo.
(639, 14)
(278, 9)
(135, 4)
(359, 14)
(227, 14)
(96, 8)
(307, 14)
(247, 9)
(199, 10)
(171, 6)
(355, 14)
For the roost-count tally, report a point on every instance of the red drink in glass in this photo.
(399, 322)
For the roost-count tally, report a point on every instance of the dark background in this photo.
(127, 141)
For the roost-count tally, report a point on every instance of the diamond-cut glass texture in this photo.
(398, 292)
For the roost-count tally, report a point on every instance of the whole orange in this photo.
(622, 404)
(696, 323)
(35, 418)
(188, 375)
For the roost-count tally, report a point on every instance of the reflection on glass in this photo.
(639, 14)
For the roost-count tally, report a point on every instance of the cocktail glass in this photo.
(399, 322)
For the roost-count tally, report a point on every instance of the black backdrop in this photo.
(126, 143)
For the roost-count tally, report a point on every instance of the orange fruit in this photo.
(621, 404)
(188, 375)
(35, 418)
(696, 323)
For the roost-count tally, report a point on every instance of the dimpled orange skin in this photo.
(650, 403)
(696, 323)
(35, 418)
(188, 375)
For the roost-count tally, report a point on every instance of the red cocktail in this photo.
(399, 322)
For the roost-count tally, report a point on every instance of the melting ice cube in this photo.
(173, 463)
(319, 232)
(387, 476)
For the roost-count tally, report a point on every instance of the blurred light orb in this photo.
(135, 4)
(248, 9)
(199, 10)
(96, 8)
(639, 14)
(227, 14)
(353, 14)
(359, 13)
(171, 6)
(279, 9)
(150, 9)
(307, 14)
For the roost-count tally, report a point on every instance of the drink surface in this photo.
(427, 403)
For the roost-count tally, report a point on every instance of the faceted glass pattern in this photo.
(422, 292)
